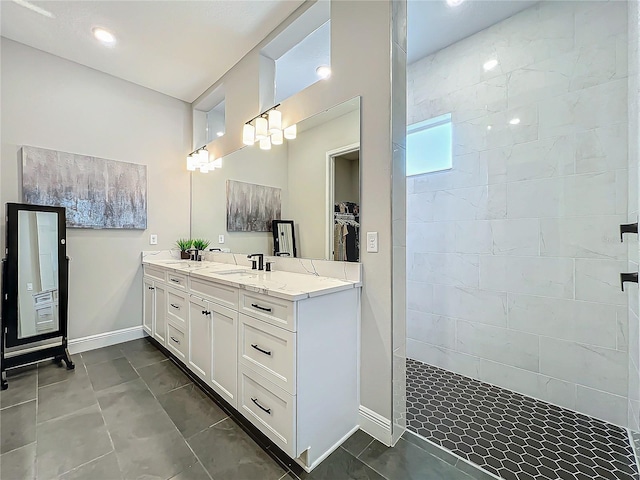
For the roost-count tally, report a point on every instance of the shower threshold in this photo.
(510, 435)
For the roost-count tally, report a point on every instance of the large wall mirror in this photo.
(317, 175)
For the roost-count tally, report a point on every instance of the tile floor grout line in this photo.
(86, 463)
(362, 451)
(455, 455)
(171, 420)
(21, 403)
(206, 428)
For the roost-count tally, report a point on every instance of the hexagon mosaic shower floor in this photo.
(510, 435)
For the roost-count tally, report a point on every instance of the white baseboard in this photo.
(79, 345)
(375, 425)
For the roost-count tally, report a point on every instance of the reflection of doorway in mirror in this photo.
(37, 273)
(343, 201)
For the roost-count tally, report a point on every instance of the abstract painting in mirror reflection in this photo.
(96, 192)
(252, 208)
(37, 273)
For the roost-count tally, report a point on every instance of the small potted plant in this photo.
(184, 244)
(200, 244)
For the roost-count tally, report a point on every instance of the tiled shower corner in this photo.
(513, 436)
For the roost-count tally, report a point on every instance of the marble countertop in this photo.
(286, 285)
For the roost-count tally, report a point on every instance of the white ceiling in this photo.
(178, 47)
(182, 47)
(433, 25)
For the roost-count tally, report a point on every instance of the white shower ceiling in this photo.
(433, 25)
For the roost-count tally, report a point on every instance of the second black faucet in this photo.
(260, 261)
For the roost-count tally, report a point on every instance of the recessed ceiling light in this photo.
(323, 71)
(220, 134)
(454, 3)
(490, 64)
(489, 127)
(104, 36)
(514, 121)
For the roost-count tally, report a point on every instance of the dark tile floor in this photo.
(511, 435)
(126, 412)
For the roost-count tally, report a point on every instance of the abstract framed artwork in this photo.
(251, 208)
(96, 192)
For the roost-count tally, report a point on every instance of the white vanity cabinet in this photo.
(213, 346)
(298, 379)
(288, 366)
(155, 305)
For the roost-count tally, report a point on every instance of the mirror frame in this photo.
(276, 239)
(10, 317)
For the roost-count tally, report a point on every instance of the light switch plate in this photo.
(29, 287)
(153, 239)
(220, 238)
(372, 242)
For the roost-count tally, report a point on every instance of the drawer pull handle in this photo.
(261, 350)
(175, 306)
(151, 288)
(175, 340)
(206, 312)
(255, 305)
(175, 280)
(255, 400)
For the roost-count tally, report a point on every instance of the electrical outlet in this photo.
(153, 239)
(29, 287)
(372, 242)
(220, 238)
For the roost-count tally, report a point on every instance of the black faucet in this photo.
(260, 261)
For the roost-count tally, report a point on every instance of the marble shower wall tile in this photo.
(514, 254)
(594, 367)
(584, 322)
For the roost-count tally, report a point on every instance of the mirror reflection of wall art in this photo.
(251, 208)
(97, 193)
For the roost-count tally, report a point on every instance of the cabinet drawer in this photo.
(177, 280)
(270, 309)
(215, 292)
(269, 408)
(154, 272)
(176, 342)
(269, 351)
(177, 308)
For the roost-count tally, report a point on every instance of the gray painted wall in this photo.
(54, 103)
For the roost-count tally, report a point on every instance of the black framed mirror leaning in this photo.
(284, 238)
(34, 286)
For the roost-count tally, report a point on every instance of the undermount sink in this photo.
(235, 272)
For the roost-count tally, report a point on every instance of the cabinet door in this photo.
(199, 337)
(160, 311)
(224, 371)
(147, 307)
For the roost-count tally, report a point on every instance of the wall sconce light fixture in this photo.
(199, 160)
(266, 129)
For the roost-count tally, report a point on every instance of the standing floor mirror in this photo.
(34, 287)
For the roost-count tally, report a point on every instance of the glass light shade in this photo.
(265, 143)
(261, 128)
(276, 137)
(204, 169)
(275, 121)
(291, 132)
(248, 134)
(203, 157)
(191, 164)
